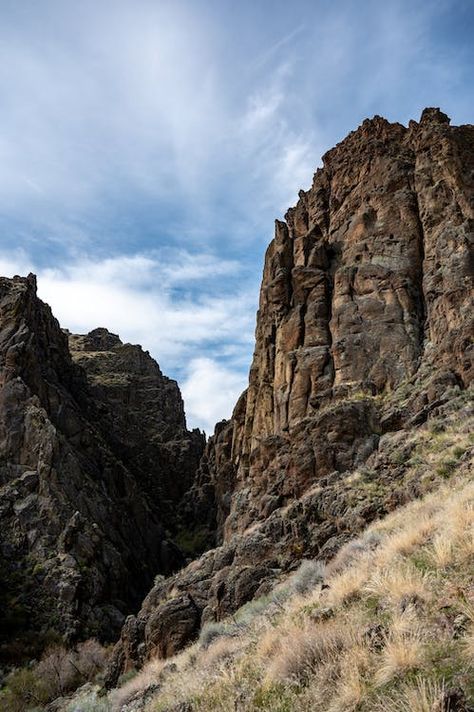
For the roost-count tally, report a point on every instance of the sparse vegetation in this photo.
(308, 576)
(193, 542)
(387, 625)
(59, 672)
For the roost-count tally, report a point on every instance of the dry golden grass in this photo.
(441, 552)
(401, 584)
(401, 653)
(420, 696)
(147, 676)
(385, 617)
(304, 650)
(346, 586)
(352, 683)
(404, 542)
(221, 650)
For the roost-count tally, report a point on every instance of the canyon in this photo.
(363, 335)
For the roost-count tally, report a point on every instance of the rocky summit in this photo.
(363, 339)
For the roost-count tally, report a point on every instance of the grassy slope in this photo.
(389, 626)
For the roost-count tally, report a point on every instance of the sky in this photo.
(147, 146)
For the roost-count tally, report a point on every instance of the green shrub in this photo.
(274, 698)
(127, 676)
(59, 672)
(192, 543)
(213, 630)
(250, 610)
(23, 691)
(309, 575)
(446, 468)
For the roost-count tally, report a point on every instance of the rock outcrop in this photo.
(364, 331)
(94, 453)
(141, 413)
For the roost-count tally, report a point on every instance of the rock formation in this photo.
(141, 413)
(364, 330)
(94, 452)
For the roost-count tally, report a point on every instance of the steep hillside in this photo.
(387, 625)
(83, 518)
(364, 332)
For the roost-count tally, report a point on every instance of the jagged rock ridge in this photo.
(364, 330)
(94, 452)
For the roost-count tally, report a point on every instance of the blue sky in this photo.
(146, 147)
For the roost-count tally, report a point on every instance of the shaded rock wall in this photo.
(81, 536)
(141, 413)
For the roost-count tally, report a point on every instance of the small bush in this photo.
(404, 648)
(446, 468)
(353, 550)
(193, 543)
(276, 697)
(212, 631)
(24, 690)
(246, 614)
(127, 676)
(90, 659)
(308, 576)
(418, 696)
(59, 672)
(304, 650)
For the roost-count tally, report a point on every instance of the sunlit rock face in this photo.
(366, 282)
(94, 451)
(364, 333)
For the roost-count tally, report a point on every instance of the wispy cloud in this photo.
(164, 105)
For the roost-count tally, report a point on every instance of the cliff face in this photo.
(366, 284)
(363, 333)
(91, 460)
(141, 413)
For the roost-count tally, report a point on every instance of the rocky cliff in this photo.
(367, 282)
(364, 332)
(94, 453)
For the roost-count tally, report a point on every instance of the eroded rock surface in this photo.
(364, 332)
(141, 413)
(94, 451)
